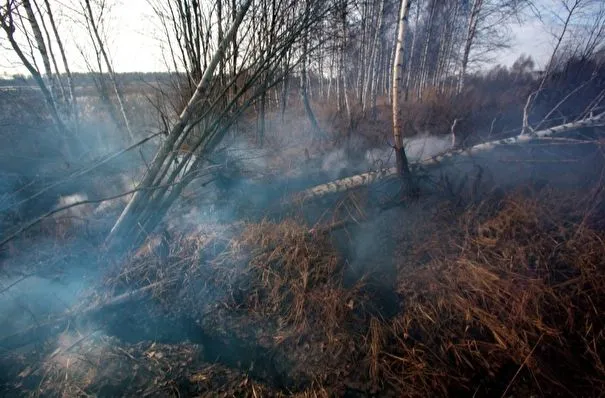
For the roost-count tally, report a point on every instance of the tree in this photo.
(486, 31)
(304, 74)
(473, 20)
(12, 23)
(583, 45)
(70, 83)
(98, 43)
(402, 162)
(209, 114)
(370, 81)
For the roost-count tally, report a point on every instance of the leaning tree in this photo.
(219, 97)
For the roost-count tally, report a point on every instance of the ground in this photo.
(492, 282)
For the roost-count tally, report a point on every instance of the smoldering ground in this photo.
(208, 226)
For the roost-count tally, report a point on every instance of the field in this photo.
(489, 282)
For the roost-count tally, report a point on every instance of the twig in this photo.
(16, 282)
(84, 171)
(40, 331)
(522, 365)
(331, 227)
(526, 125)
(126, 353)
(80, 203)
(121, 299)
(80, 340)
(556, 107)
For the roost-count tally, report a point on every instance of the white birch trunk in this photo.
(70, 84)
(427, 42)
(112, 75)
(39, 40)
(398, 88)
(408, 79)
(360, 180)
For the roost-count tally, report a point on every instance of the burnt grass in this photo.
(477, 288)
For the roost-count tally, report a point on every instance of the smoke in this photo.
(59, 281)
(77, 211)
(242, 155)
(50, 268)
(426, 146)
(337, 164)
(240, 192)
(334, 163)
(416, 149)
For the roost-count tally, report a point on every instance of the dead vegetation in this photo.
(273, 285)
(500, 295)
(287, 273)
(101, 366)
(516, 310)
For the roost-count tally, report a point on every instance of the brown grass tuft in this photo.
(288, 273)
(516, 307)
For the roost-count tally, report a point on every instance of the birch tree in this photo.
(487, 30)
(70, 81)
(304, 73)
(571, 7)
(402, 162)
(16, 30)
(122, 232)
(370, 82)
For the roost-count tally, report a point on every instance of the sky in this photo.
(130, 32)
(134, 46)
(531, 38)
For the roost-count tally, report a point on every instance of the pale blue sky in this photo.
(134, 47)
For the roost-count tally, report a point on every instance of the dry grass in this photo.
(268, 269)
(91, 366)
(279, 282)
(503, 297)
(517, 307)
(287, 274)
(271, 285)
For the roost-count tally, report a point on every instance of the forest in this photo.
(311, 198)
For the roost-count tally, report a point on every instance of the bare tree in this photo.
(487, 30)
(9, 14)
(424, 70)
(33, 21)
(141, 199)
(70, 82)
(470, 37)
(408, 79)
(370, 81)
(207, 117)
(95, 36)
(402, 161)
(304, 74)
(582, 45)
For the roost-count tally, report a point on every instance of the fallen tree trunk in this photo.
(371, 177)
